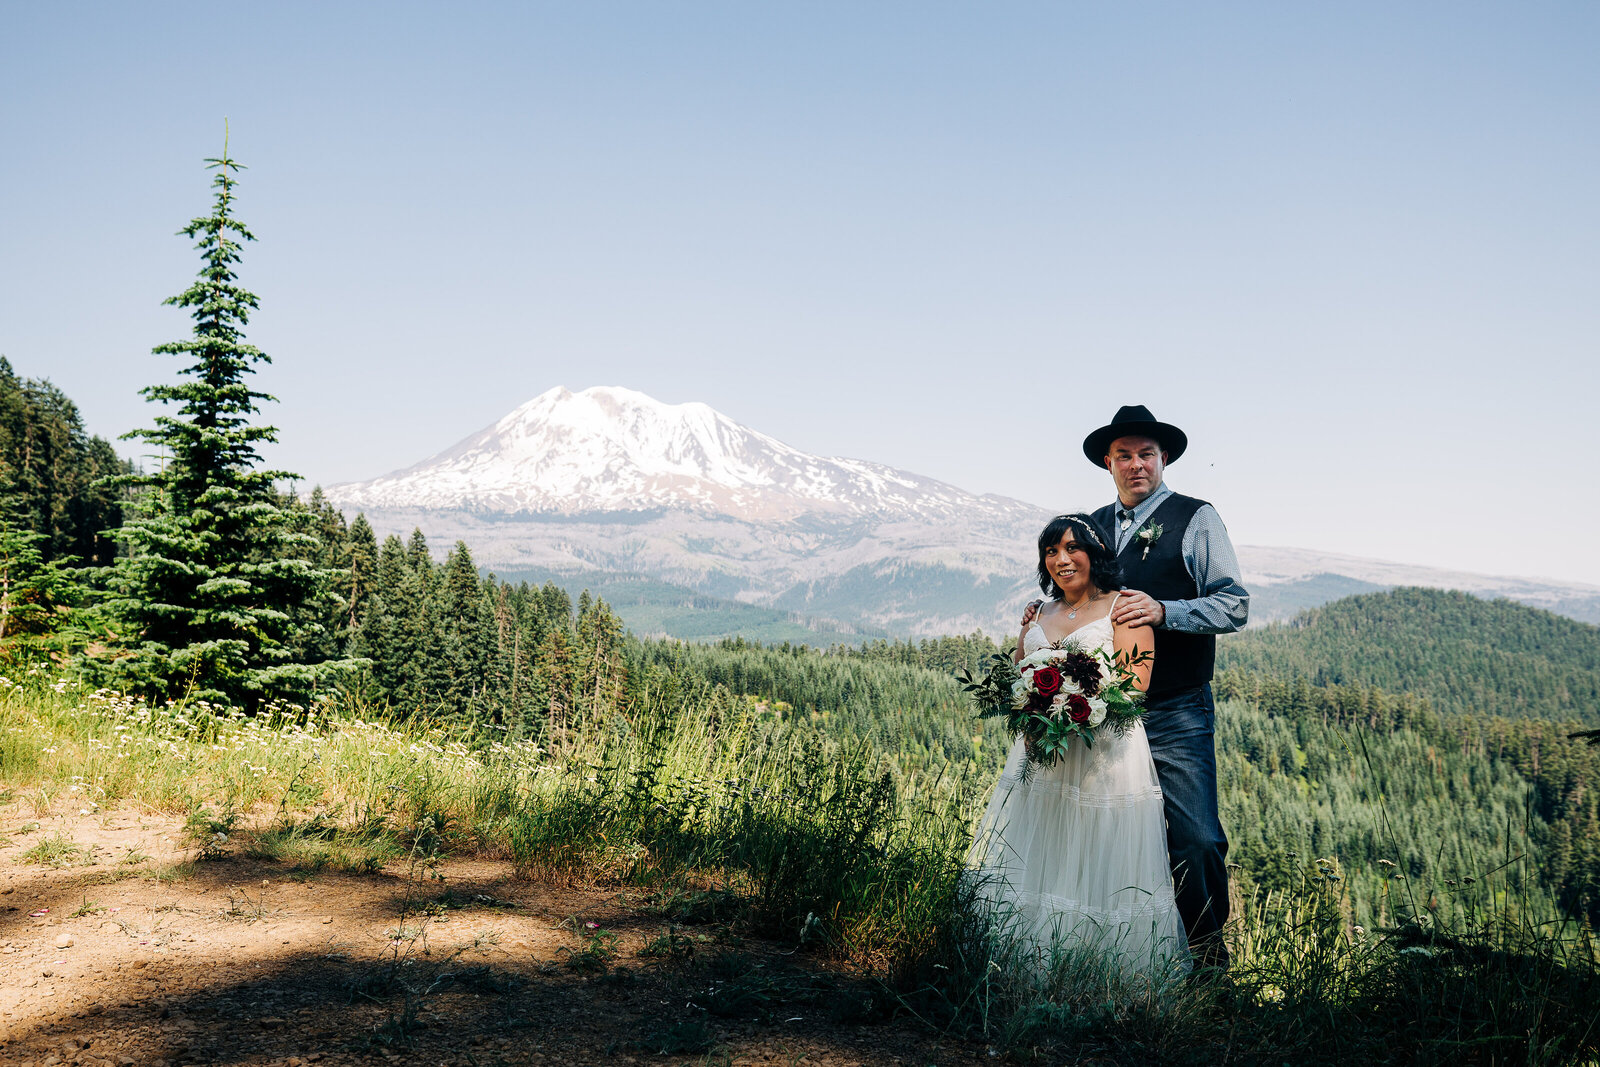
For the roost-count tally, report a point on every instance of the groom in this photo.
(1183, 579)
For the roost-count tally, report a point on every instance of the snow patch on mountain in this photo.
(610, 449)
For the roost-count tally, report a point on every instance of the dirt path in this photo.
(248, 962)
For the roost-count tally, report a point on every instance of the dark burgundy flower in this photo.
(1047, 680)
(1078, 708)
(1083, 669)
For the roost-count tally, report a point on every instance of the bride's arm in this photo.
(1029, 613)
(1127, 642)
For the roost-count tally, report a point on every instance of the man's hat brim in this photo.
(1172, 440)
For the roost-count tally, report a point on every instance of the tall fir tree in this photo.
(217, 571)
(600, 640)
(467, 632)
(320, 628)
(355, 585)
(382, 627)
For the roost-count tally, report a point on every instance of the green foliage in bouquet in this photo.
(990, 689)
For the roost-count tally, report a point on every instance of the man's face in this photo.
(1136, 465)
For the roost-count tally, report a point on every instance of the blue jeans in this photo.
(1181, 726)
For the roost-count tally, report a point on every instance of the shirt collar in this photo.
(1146, 507)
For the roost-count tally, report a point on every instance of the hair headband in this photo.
(1088, 528)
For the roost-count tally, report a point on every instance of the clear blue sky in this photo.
(1354, 249)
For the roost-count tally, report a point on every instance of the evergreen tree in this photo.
(53, 476)
(382, 625)
(602, 665)
(34, 592)
(401, 627)
(468, 634)
(556, 605)
(217, 572)
(322, 626)
(355, 586)
(556, 682)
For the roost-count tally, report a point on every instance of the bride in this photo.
(1075, 855)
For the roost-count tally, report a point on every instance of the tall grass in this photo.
(816, 838)
(828, 845)
(822, 841)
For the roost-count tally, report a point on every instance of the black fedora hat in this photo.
(1134, 420)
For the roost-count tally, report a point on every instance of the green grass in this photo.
(58, 851)
(86, 908)
(312, 845)
(717, 813)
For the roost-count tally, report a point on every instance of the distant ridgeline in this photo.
(1464, 654)
(654, 608)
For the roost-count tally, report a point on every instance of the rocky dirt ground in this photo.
(123, 956)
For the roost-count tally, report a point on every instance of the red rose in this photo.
(1078, 708)
(1047, 680)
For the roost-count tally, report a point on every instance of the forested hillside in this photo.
(1466, 655)
(1434, 721)
(1368, 779)
(52, 471)
(900, 696)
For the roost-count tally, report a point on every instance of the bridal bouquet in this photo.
(1056, 694)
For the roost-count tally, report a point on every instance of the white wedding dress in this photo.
(1075, 854)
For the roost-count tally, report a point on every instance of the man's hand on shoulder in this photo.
(1138, 609)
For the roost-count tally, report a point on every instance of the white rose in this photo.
(1097, 711)
(1019, 695)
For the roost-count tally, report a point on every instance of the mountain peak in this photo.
(609, 448)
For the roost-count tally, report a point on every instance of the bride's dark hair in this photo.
(1104, 571)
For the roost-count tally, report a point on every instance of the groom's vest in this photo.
(1183, 661)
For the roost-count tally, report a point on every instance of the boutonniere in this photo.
(1149, 533)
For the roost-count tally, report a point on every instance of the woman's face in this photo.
(1068, 566)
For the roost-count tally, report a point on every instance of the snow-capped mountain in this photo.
(609, 449)
(609, 481)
